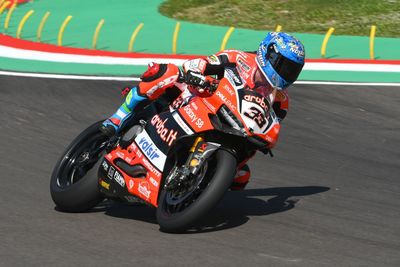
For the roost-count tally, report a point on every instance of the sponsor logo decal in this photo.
(150, 167)
(242, 64)
(120, 154)
(295, 49)
(280, 42)
(119, 179)
(167, 135)
(162, 84)
(105, 185)
(233, 78)
(143, 189)
(225, 100)
(221, 96)
(136, 150)
(256, 99)
(128, 159)
(213, 60)
(181, 123)
(203, 147)
(111, 172)
(146, 163)
(104, 164)
(193, 117)
(154, 182)
(229, 89)
(195, 64)
(177, 103)
(150, 150)
(194, 105)
(182, 99)
(260, 58)
(243, 68)
(245, 75)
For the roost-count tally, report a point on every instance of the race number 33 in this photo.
(256, 115)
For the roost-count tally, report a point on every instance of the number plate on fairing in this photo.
(255, 111)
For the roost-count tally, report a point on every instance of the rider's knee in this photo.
(157, 79)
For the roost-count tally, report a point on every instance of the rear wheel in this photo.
(177, 211)
(74, 182)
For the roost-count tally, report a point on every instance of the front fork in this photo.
(199, 153)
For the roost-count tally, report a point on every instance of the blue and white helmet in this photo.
(281, 59)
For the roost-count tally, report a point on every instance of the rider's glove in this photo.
(196, 78)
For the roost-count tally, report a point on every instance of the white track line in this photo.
(363, 67)
(68, 77)
(23, 54)
(136, 79)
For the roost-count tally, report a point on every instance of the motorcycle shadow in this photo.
(234, 210)
(136, 211)
(238, 206)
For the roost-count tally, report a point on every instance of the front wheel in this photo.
(74, 182)
(176, 215)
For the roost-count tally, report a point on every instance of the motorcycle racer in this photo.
(270, 71)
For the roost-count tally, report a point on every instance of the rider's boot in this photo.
(112, 125)
(241, 178)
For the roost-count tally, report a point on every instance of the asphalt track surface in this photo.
(329, 197)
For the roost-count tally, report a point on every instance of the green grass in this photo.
(348, 17)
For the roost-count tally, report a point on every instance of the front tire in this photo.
(219, 179)
(74, 183)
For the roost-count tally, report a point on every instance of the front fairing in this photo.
(251, 113)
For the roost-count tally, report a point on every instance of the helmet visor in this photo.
(286, 68)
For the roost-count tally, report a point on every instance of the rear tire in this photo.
(74, 187)
(225, 169)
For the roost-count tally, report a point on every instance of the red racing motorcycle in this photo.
(179, 155)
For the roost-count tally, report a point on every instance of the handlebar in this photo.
(210, 84)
